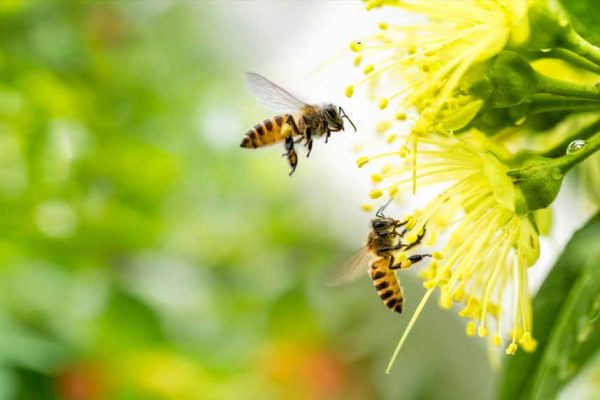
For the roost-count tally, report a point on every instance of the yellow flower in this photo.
(432, 58)
(491, 242)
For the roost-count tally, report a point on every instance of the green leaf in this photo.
(566, 311)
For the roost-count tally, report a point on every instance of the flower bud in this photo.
(538, 178)
(513, 80)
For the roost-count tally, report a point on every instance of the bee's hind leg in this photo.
(309, 141)
(291, 154)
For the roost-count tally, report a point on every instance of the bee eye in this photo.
(378, 224)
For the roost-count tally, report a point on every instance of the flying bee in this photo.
(298, 121)
(384, 239)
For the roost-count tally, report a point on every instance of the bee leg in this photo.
(392, 259)
(401, 234)
(410, 261)
(392, 248)
(416, 242)
(309, 145)
(291, 154)
(309, 141)
(327, 135)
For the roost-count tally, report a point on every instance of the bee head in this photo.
(381, 225)
(335, 117)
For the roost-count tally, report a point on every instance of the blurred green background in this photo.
(141, 260)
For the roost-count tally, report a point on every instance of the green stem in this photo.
(541, 105)
(567, 56)
(582, 47)
(583, 134)
(568, 161)
(546, 84)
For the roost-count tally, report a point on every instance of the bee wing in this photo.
(351, 268)
(271, 95)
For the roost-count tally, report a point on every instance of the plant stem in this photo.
(582, 47)
(559, 149)
(568, 161)
(552, 104)
(567, 56)
(546, 84)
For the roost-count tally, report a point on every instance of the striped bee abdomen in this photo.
(386, 284)
(269, 131)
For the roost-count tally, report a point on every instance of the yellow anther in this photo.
(401, 116)
(372, 4)
(437, 255)
(525, 337)
(401, 256)
(459, 295)
(470, 329)
(511, 349)
(357, 60)
(393, 190)
(368, 68)
(446, 300)
(383, 103)
(366, 207)
(447, 273)
(528, 343)
(383, 126)
(383, 25)
(411, 223)
(405, 264)
(493, 309)
(403, 152)
(362, 161)
(497, 340)
(376, 177)
(482, 331)
(391, 138)
(357, 46)
(430, 284)
(350, 91)
(411, 237)
(375, 193)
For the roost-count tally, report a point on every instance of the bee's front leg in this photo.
(416, 242)
(327, 135)
(291, 154)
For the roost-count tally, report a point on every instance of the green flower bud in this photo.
(538, 179)
(513, 80)
(482, 88)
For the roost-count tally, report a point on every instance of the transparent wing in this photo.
(271, 95)
(351, 268)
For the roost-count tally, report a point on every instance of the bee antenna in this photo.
(344, 115)
(382, 208)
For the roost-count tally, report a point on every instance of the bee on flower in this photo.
(468, 82)
(493, 240)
